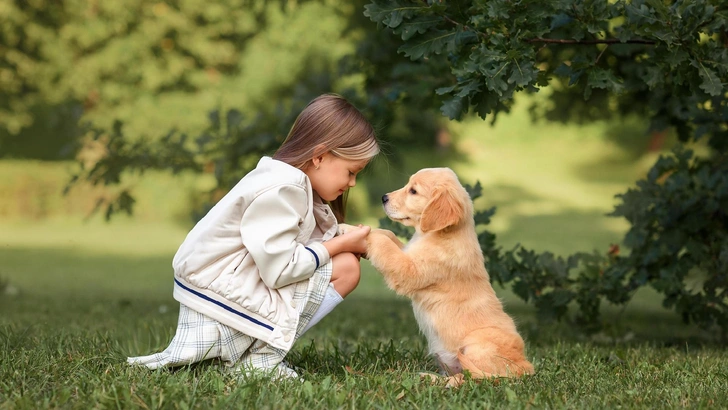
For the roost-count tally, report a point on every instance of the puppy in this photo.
(442, 271)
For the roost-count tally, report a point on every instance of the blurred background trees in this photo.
(131, 86)
(222, 79)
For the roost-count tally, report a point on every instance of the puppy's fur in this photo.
(442, 271)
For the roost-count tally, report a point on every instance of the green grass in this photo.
(78, 314)
(77, 296)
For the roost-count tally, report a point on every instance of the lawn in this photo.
(77, 313)
(80, 295)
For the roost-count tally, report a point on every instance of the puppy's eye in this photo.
(413, 191)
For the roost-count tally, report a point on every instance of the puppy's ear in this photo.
(444, 209)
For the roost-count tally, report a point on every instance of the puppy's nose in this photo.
(385, 198)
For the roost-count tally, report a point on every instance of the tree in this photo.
(665, 60)
(274, 69)
(157, 66)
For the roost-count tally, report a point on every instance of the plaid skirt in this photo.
(199, 337)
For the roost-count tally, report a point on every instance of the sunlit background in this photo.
(161, 68)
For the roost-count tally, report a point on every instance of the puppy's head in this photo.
(432, 200)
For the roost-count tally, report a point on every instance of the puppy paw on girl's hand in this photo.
(387, 233)
(376, 242)
(354, 240)
(346, 228)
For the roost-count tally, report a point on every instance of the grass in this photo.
(78, 296)
(78, 314)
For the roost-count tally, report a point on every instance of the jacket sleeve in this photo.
(270, 228)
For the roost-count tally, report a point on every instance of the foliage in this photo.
(679, 236)
(672, 56)
(397, 90)
(664, 61)
(112, 56)
(159, 79)
(229, 147)
(157, 66)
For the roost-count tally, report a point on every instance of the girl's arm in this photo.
(270, 228)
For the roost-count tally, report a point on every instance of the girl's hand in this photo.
(357, 239)
(353, 240)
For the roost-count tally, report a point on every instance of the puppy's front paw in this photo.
(344, 228)
(377, 244)
(371, 241)
(389, 234)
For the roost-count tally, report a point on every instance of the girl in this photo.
(266, 263)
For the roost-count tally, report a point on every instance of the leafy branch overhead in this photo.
(499, 47)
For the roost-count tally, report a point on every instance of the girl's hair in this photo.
(329, 123)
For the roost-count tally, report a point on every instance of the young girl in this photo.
(266, 263)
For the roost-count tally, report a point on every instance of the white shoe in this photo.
(280, 372)
(284, 371)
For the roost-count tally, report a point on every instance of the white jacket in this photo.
(242, 262)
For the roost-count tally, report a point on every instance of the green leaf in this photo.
(488, 103)
(392, 14)
(711, 83)
(475, 191)
(418, 25)
(452, 108)
(469, 87)
(605, 79)
(522, 289)
(434, 42)
(523, 73)
(445, 90)
(675, 57)
(653, 76)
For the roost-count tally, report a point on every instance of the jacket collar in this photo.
(325, 218)
(323, 213)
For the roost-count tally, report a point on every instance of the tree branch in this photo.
(605, 41)
(464, 26)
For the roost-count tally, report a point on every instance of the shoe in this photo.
(284, 371)
(280, 372)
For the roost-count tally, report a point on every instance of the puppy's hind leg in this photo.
(489, 353)
(446, 381)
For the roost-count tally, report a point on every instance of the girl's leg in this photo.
(346, 273)
(197, 338)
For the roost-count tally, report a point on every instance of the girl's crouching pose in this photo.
(265, 264)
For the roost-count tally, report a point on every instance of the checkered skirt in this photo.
(199, 337)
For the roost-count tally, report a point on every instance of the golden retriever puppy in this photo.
(441, 269)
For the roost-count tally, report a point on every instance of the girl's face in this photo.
(334, 175)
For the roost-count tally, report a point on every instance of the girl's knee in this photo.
(346, 273)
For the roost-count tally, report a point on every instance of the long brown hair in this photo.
(329, 123)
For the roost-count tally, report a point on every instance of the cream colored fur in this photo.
(442, 271)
